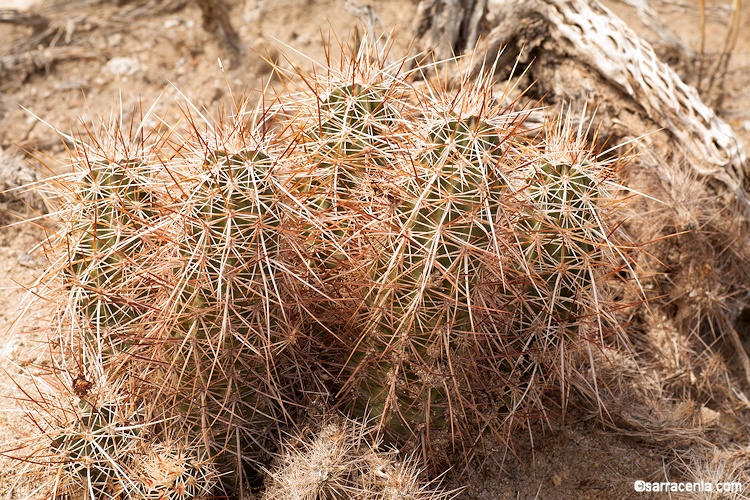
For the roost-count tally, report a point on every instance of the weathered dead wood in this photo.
(592, 35)
(21, 65)
(448, 27)
(35, 21)
(42, 30)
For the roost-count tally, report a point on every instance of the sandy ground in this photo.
(103, 55)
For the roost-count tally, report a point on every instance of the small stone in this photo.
(8, 350)
(709, 417)
(122, 66)
(115, 40)
(26, 260)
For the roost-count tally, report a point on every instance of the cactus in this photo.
(421, 293)
(398, 247)
(355, 121)
(431, 285)
(108, 452)
(475, 262)
(96, 448)
(236, 313)
(566, 234)
(172, 471)
(112, 208)
(343, 459)
(558, 245)
(346, 131)
(180, 280)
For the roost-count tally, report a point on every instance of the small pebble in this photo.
(122, 66)
(26, 260)
(7, 350)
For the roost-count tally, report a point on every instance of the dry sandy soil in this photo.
(98, 56)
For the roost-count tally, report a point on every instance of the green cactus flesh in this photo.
(106, 454)
(350, 141)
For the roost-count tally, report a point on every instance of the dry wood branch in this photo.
(591, 34)
(16, 17)
(448, 27)
(150, 8)
(25, 63)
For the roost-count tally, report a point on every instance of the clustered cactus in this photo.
(408, 249)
